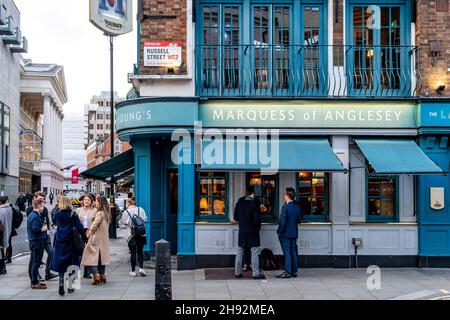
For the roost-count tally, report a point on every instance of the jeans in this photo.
(49, 250)
(37, 252)
(289, 247)
(136, 249)
(255, 261)
(100, 269)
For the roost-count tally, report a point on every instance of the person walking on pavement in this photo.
(247, 214)
(65, 252)
(48, 241)
(37, 235)
(96, 253)
(287, 231)
(16, 222)
(135, 234)
(51, 197)
(86, 214)
(29, 199)
(6, 221)
(20, 202)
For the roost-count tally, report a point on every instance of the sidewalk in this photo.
(312, 284)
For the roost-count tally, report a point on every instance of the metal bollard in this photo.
(163, 277)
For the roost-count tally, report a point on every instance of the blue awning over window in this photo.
(252, 155)
(394, 156)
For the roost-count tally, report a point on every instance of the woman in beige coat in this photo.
(86, 214)
(96, 253)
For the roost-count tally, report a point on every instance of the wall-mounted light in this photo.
(440, 88)
(435, 50)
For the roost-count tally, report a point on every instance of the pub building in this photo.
(344, 89)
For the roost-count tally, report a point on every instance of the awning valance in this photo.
(313, 154)
(395, 156)
(117, 167)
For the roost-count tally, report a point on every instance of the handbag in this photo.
(77, 239)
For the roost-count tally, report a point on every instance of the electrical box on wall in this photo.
(437, 201)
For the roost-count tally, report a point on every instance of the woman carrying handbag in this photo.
(69, 240)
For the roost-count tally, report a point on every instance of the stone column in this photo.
(46, 132)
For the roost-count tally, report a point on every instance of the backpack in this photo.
(17, 218)
(137, 225)
(267, 260)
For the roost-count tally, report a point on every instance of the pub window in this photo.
(382, 194)
(266, 191)
(212, 196)
(312, 196)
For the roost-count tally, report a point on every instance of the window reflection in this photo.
(312, 193)
(265, 190)
(212, 194)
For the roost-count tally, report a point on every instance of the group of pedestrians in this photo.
(81, 238)
(247, 213)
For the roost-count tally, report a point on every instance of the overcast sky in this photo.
(59, 31)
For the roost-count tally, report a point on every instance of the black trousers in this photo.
(49, 249)
(37, 252)
(9, 250)
(136, 245)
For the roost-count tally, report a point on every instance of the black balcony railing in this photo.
(307, 70)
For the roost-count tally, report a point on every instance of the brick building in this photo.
(356, 90)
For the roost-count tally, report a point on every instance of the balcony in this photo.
(302, 71)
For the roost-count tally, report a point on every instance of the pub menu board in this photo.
(162, 54)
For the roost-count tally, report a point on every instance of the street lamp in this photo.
(114, 18)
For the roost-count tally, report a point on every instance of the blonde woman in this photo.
(86, 214)
(96, 253)
(64, 253)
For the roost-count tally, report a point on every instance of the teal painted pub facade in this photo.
(366, 153)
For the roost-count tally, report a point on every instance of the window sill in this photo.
(263, 223)
(380, 223)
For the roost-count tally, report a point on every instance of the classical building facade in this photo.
(43, 93)
(354, 96)
(11, 45)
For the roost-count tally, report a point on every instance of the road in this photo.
(20, 242)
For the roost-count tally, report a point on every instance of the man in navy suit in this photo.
(287, 231)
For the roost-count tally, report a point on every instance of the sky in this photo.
(59, 31)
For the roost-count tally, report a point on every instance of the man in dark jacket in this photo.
(20, 202)
(37, 235)
(288, 233)
(248, 216)
(48, 242)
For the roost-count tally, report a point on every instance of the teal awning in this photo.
(287, 155)
(118, 167)
(395, 156)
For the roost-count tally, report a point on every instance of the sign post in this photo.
(114, 18)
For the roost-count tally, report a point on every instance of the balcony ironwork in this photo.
(307, 71)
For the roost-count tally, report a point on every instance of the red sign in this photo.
(75, 176)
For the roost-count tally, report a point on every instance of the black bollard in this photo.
(163, 277)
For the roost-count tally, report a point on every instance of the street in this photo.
(20, 242)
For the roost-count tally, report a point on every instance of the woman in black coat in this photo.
(64, 253)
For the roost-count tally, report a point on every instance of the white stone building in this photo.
(43, 94)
